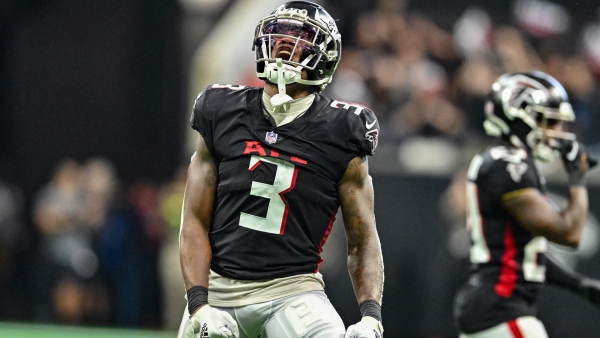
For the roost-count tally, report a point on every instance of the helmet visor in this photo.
(293, 41)
(290, 28)
(551, 123)
(563, 113)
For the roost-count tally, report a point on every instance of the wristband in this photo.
(197, 296)
(371, 308)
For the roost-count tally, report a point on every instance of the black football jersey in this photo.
(276, 196)
(507, 270)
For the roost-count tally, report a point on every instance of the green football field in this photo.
(14, 330)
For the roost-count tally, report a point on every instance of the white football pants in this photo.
(305, 315)
(522, 327)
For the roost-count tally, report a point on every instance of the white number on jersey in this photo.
(228, 86)
(358, 110)
(516, 170)
(531, 270)
(285, 179)
(516, 167)
(508, 155)
(480, 253)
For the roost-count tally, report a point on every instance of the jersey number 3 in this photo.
(277, 212)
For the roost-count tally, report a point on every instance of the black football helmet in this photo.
(520, 107)
(307, 27)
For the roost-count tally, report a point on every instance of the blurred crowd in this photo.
(428, 85)
(102, 253)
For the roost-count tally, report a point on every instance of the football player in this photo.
(270, 170)
(509, 217)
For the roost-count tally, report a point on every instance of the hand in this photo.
(212, 323)
(576, 161)
(589, 288)
(368, 327)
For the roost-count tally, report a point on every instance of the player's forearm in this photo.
(195, 254)
(194, 245)
(575, 213)
(365, 266)
(365, 263)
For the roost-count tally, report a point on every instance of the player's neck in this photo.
(294, 90)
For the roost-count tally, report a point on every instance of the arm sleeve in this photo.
(364, 131)
(559, 275)
(202, 120)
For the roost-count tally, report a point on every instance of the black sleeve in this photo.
(507, 175)
(202, 119)
(197, 121)
(364, 131)
(559, 275)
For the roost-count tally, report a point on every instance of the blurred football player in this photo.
(509, 217)
(270, 170)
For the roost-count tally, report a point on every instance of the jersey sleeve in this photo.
(364, 131)
(509, 177)
(202, 119)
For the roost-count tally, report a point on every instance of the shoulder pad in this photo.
(362, 125)
(512, 155)
(506, 169)
(217, 97)
(353, 107)
(226, 86)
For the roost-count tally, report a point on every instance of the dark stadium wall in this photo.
(89, 78)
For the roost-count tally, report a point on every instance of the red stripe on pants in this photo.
(515, 329)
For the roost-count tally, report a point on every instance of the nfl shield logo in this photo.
(271, 137)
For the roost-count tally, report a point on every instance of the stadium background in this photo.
(94, 103)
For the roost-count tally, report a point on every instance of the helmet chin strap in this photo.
(281, 99)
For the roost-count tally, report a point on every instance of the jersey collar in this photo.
(262, 125)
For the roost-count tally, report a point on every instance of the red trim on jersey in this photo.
(255, 165)
(298, 160)
(514, 328)
(324, 239)
(287, 207)
(508, 273)
(274, 153)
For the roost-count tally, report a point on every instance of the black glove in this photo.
(576, 167)
(589, 289)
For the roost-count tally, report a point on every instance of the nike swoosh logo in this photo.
(369, 126)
